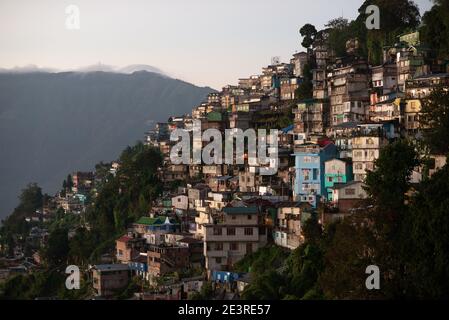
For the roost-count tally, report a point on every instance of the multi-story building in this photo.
(249, 180)
(346, 196)
(164, 258)
(410, 118)
(309, 165)
(299, 61)
(288, 86)
(128, 247)
(349, 95)
(287, 231)
(237, 232)
(336, 171)
(366, 144)
(109, 278)
(311, 116)
(154, 229)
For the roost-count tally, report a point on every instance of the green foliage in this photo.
(127, 196)
(308, 32)
(274, 119)
(388, 184)
(44, 284)
(267, 286)
(263, 259)
(435, 28)
(206, 293)
(340, 33)
(31, 199)
(396, 18)
(305, 88)
(435, 115)
(425, 238)
(57, 248)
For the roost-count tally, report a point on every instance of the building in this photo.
(311, 116)
(139, 266)
(287, 232)
(346, 196)
(336, 171)
(180, 202)
(309, 167)
(249, 180)
(163, 259)
(349, 91)
(82, 181)
(237, 232)
(154, 229)
(366, 145)
(299, 61)
(108, 279)
(128, 247)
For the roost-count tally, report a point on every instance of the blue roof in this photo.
(289, 128)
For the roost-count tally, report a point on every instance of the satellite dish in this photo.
(275, 60)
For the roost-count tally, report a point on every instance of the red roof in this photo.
(124, 238)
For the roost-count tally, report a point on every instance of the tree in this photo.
(388, 184)
(57, 248)
(31, 198)
(435, 28)
(338, 35)
(69, 183)
(396, 17)
(308, 32)
(305, 88)
(434, 121)
(425, 238)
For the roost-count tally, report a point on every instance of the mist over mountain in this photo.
(99, 67)
(54, 123)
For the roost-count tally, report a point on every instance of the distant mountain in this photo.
(99, 67)
(54, 123)
(139, 67)
(27, 69)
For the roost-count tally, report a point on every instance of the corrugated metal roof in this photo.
(240, 210)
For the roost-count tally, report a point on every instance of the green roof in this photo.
(150, 221)
(240, 210)
(154, 221)
(214, 116)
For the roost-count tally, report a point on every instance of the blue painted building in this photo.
(309, 185)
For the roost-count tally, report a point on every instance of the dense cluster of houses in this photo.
(228, 211)
(220, 213)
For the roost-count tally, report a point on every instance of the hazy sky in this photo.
(206, 42)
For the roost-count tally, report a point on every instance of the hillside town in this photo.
(210, 217)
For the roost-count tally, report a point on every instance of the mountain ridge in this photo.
(54, 123)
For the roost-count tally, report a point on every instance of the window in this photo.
(306, 174)
(230, 231)
(217, 232)
(250, 217)
(219, 246)
(248, 231)
(350, 192)
(234, 246)
(233, 217)
(249, 248)
(218, 260)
